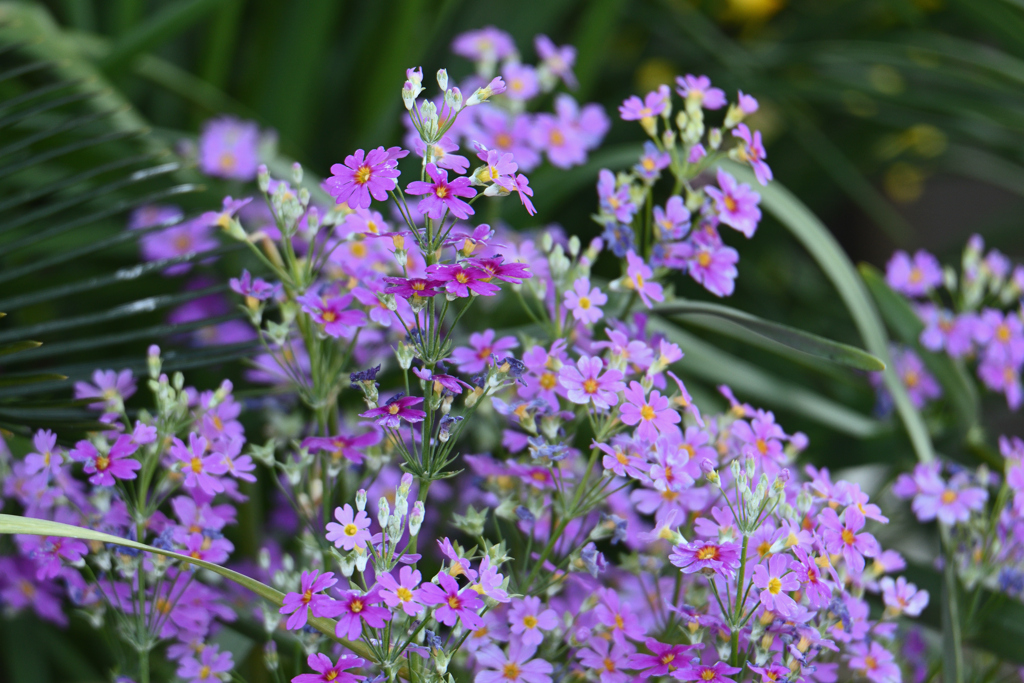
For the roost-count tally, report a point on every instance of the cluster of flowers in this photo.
(170, 479)
(974, 315)
(683, 234)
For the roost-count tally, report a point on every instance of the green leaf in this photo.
(166, 23)
(18, 380)
(13, 524)
(819, 242)
(811, 344)
(15, 347)
(706, 362)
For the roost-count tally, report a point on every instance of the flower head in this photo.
(351, 531)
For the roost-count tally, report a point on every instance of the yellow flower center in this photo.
(704, 259)
(774, 586)
(356, 606)
(307, 596)
(404, 594)
(363, 175)
(394, 408)
(351, 530)
(530, 621)
(204, 672)
(730, 203)
(848, 537)
(584, 303)
(454, 602)
(548, 381)
(441, 191)
(647, 413)
(196, 465)
(708, 552)
(590, 386)
(556, 138)
(330, 316)
(948, 497)
(707, 675)
(102, 463)
(510, 671)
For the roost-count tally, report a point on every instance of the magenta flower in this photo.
(913, 276)
(735, 204)
(585, 384)
(584, 302)
(951, 502)
(515, 667)
(614, 198)
(847, 538)
(442, 196)
(663, 660)
(520, 81)
(354, 608)
(557, 60)
(46, 457)
(229, 148)
(607, 659)
(397, 408)
(497, 267)
(482, 346)
(364, 174)
(673, 222)
(332, 314)
(112, 387)
(713, 265)
(208, 668)
(638, 276)
(902, 597)
(921, 385)
(527, 620)
(653, 104)
(200, 470)
(707, 557)
(558, 137)
(343, 445)
(522, 188)
(943, 330)
(258, 289)
(404, 592)
(452, 604)
(298, 605)
(719, 673)
(326, 672)
(776, 581)
(1002, 374)
(808, 572)
(651, 163)
(351, 531)
(698, 89)
(762, 437)
(752, 152)
(770, 673)
(653, 415)
(462, 279)
(117, 463)
(875, 662)
(1002, 336)
(408, 288)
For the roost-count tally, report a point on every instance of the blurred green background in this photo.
(900, 123)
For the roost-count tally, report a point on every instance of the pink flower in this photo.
(331, 673)
(354, 608)
(208, 668)
(365, 174)
(453, 605)
(913, 276)
(713, 265)
(585, 302)
(229, 148)
(520, 81)
(462, 278)
(105, 468)
(403, 593)
(875, 662)
(653, 104)
(619, 619)
(607, 659)
(343, 445)
(515, 667)
(638, 276)
(735, 203)
(527, 620)
(442, 196)
(846, 537)
(46, 457)
(200, 470)
(332, 314)
(112, 387)
(558, 60)
(950, 502)
(481, 347)
(902, 597)
(752, 151)
(614, 198)
(707, 557)
(809, 574)
(351, 531)
(585, 383)
(776, 580)
(698, 89)
(653, 415)
(663, 660)
(397, 408)
(306, 600)
(707, 674)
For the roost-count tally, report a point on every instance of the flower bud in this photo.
(442, 79)
(383, 512)
(361, 500)
(263, 177)
(297, 173)
(416, 518)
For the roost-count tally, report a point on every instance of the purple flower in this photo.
(707, 557)
(698, 89)
(1001, 335)
(950, 502)
(776, 581)
(874, 662)
(151, 215)
(652, 162)
(46, 456)
(735, 203)
(614, 198)
(397, 408)
(208, 668)
(229, 148)
(520, 81)
(901, 597)
(752, 152)
(504, 132)
(663, 660)
(945, 331)
(326, 672)
(846, 537)
(585, 383)
(607, 659)
(488, 44)
(522, 188)
(258, 289)
(200, 470)
(584, 302)
(1000, 373)
(718, 673)
(913, 277)
(496, 267)
(354, 608)
(921, 385)
(117, 463)
(343, 445)
(770, 673)
(408, 288)
(516, 667)
(404, 592)
(653, 104)
(673, 222)
(441, 154)
(452, 604)
(653, 415)
(527, 620)
(442, 196)
(482, 346)
(557, 60)
(113, 387)
(638, 276)
(364, 174)
(809, 574)
(306, 600)
(351, 531)
(462, 278)
(713, 265)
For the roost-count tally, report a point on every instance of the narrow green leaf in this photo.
(58, 152)
(952, 622)
(13, 524)
(70, 181)
(812, 344)
(166, 23)
(819, 242)
(15, 347)
(18, 380)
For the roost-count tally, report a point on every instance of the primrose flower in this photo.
(105, 468)
(208, 667)
(488, 44)
(332, 312)
(557, 60)
(703, 556)
(307, 600)
(735, 203)
(713, 265)
(442, 196)
(913, 276)
(46, 457)
(441, 154)
(518, 666)
(901, 597)
(718, 673)
(652, 162)
(653, 415)
(950, 502)
(776, 581)
(653, 104)
(521, 81)
(396, 409)
(409, 288)
(921, 385)
(452, 605)
(343, 445)
(607, 658)
(404, 592)
(258, 289)
(229, 148)
(614, 198)
(112, 387)
(354, 608)
(875, 662)
(527, 620)
(482, 346)
(461, 279)
(189, 237)
(352, 529)
(586, 384)
(326, 672)
(698, 89)
(672, 222)
(847, 538)
(663, 660)
(752, 152)
(638, 276)
(200, 470)
(365, 174)
(584, 302)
